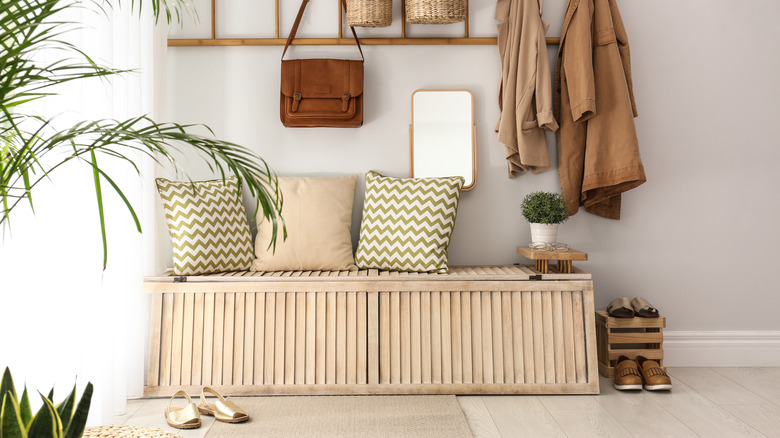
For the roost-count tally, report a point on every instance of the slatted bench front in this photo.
(474, 330)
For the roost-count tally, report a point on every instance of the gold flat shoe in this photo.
(182, 418)
(222, 410)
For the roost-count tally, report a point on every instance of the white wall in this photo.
(698, 240)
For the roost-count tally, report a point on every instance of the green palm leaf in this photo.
(39, 151)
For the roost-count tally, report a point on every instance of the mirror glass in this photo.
(443, 135)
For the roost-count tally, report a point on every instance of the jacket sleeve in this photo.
(578, 63)
(544, 99)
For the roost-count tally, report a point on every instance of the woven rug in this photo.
(424, 416)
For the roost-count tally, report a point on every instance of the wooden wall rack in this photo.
(404, 40)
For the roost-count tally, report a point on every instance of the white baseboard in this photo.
(722, 348)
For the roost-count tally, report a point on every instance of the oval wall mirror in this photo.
(443, 135)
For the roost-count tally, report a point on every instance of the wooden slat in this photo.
(219, 339)
(395, 337)
(465, 311)
(425, 337)
(384, 338)
(517, 337)
(300, 337)
(406, 338)
(506, 322)
(568, 337)
(373, 338)
(208, 339)
(289, 338)
(579, 337)
(457, 338)
(416, 350)
(311, 340)
(436, 337)
(476, 337)
(341, 337)
(352, 338)
(557, 316)
(362, 338)
(155, 341)
(279, 338)
(321, 340)
(177, 335)
(636, 338)
(603, 318)
(528, 339)
(487, 338)
(249, 339)
(187, 337)
(549, 347)
(497, 334)
(259, 350)
(330, 339)
(538, 336)
(238, 339)
(446, 338)
(270, 338)
(227, 343)
(633, 352)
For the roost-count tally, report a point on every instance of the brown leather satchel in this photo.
(321, 92)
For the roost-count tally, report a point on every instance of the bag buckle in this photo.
(296, 101)
(297, 96)
(345, 102)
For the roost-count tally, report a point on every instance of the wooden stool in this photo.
(543, 258)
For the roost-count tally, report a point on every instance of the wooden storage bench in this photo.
(475, 330)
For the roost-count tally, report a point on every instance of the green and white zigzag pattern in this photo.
(407, 223)
(208, 226)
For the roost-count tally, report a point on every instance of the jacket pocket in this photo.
(529, 125)
(604, 37)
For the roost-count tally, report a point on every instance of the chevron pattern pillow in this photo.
(208, 226)
(407, 223)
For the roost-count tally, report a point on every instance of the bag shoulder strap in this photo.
(297, 22)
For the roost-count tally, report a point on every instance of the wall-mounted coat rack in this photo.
(404, 40)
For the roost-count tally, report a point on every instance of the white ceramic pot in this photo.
(547, 233)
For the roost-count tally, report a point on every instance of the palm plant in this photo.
(33, 150)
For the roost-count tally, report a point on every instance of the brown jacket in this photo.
(598, 151)
(525, 90)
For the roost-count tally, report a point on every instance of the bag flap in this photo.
(322, 78)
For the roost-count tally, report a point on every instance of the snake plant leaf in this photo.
(7, 384)
(51, 394)
(24, 409)
(11, 424)
(65, 409)
(79, 420)
(46, 423)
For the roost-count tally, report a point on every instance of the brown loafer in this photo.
(627, 374)
(654, 376)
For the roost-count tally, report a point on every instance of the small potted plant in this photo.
(544, 210)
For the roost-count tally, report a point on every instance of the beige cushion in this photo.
(318, 216)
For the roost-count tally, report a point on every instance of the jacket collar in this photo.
(570, 9)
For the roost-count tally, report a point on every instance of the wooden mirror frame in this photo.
(473, 138)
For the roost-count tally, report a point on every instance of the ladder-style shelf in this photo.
(403, 40)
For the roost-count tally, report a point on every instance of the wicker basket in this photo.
(369, 13)
(435, 11)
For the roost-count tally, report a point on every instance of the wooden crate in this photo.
(475, 330)
(628, 337)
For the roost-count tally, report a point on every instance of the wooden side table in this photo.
(543, 258)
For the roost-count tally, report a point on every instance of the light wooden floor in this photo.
(705, 402)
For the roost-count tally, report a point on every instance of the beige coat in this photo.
(598, 151)
(525, 90)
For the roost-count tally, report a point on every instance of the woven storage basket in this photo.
(369, 13)
(126, 432)
(435, 11)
